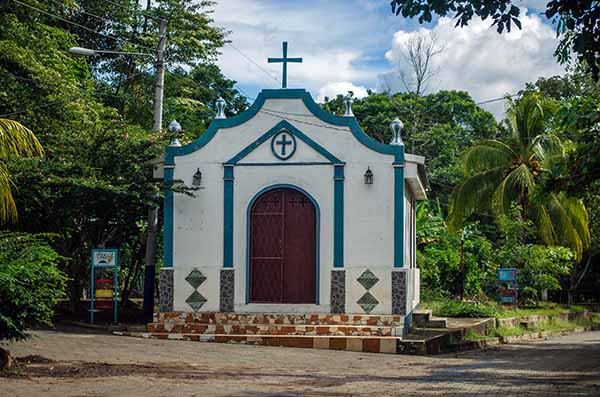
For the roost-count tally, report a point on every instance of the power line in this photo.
(254, 63)
(82, 11)
(81, 26)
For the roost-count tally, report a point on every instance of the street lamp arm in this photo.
(90, 52)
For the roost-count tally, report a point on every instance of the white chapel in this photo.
(296, 210)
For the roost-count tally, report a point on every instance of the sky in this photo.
(357, 45)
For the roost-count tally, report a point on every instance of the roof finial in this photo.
(396, 127)
(348, 105)
(220, 104)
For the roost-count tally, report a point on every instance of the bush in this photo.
(451, 308)
(30, 283)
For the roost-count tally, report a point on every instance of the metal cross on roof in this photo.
(285, 61)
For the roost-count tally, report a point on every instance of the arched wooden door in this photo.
(283, 241)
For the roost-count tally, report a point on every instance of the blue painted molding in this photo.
(168, 218)
(318, 233)
(294, 132)
(398, 215)
(338, 216)
(228, 216)
(300, 163)
(216, 124)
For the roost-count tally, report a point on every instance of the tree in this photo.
(418, 54)
(30, 285)
(15, 140)
(500, 172)
(577, 21)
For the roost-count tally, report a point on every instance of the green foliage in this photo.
(438, 255)
(576, 22)
(539, 267)
(504, 171)
(456, 308)
(30, 283)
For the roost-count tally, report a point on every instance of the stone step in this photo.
(278, 318)
(420, 316)
(367, 344)
(274, 329)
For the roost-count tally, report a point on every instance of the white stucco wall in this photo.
(368, 209)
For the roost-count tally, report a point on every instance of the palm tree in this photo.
(15, 140)
(501, 172)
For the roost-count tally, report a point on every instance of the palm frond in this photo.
(544, 224)
(517, 183)
(565, 231)
(579, 217)
(473, 193)
(546, 146)
(486, 155)
(8, 208)
(17, 140)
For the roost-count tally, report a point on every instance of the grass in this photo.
(453, 308)
(472, 335)
(508, 331)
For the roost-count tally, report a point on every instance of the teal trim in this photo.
(168, 218)
(318, 234)
(398, 215)
(300, 163)
(216, 124)
(338, 216)
(293, 131)
(228, 216)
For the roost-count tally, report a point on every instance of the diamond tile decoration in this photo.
(195, 278)
(196, 301)
(367, 279)
(367, 302)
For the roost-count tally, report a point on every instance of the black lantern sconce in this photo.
(197, 179)
(368, 177)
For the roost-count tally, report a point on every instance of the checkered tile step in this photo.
(279, 319)
(367, 344)
(274, 329)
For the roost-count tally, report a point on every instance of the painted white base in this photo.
(281, 308)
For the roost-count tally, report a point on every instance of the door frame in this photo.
(317, 235)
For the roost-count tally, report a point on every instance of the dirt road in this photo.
(85, 364)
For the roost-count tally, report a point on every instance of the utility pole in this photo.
(150, 257)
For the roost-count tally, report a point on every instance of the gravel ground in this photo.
(75, 362)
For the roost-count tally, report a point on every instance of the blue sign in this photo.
(105, 258)
(507, 274)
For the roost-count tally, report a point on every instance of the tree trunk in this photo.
(5, 359)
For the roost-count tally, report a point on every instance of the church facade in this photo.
(296, 210)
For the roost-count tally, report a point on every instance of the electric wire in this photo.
(82, 26)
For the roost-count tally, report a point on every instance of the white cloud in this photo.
(334, 45)
(479, 60)
(332, 89)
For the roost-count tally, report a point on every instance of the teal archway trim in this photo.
(316, 110)
(275, 130)
(318, 235)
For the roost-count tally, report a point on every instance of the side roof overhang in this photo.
(415, 175)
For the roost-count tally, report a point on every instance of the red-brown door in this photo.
(283, 248)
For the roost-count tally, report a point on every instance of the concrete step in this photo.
(367, 344)
(420, 316)
(278, 318)
(274, 329)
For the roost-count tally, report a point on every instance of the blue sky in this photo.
(357, 45)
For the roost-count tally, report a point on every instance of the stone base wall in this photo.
(227, 290)
(338, 291)
(165, 289)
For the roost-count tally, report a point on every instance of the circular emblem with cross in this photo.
(283, 145)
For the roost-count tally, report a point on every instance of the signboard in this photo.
(507, 286)
(104, 291)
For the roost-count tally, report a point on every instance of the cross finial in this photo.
(285, 61)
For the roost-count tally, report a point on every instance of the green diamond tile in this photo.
(195, 278)
(367, 279)
(196, 300)
(367, 302)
